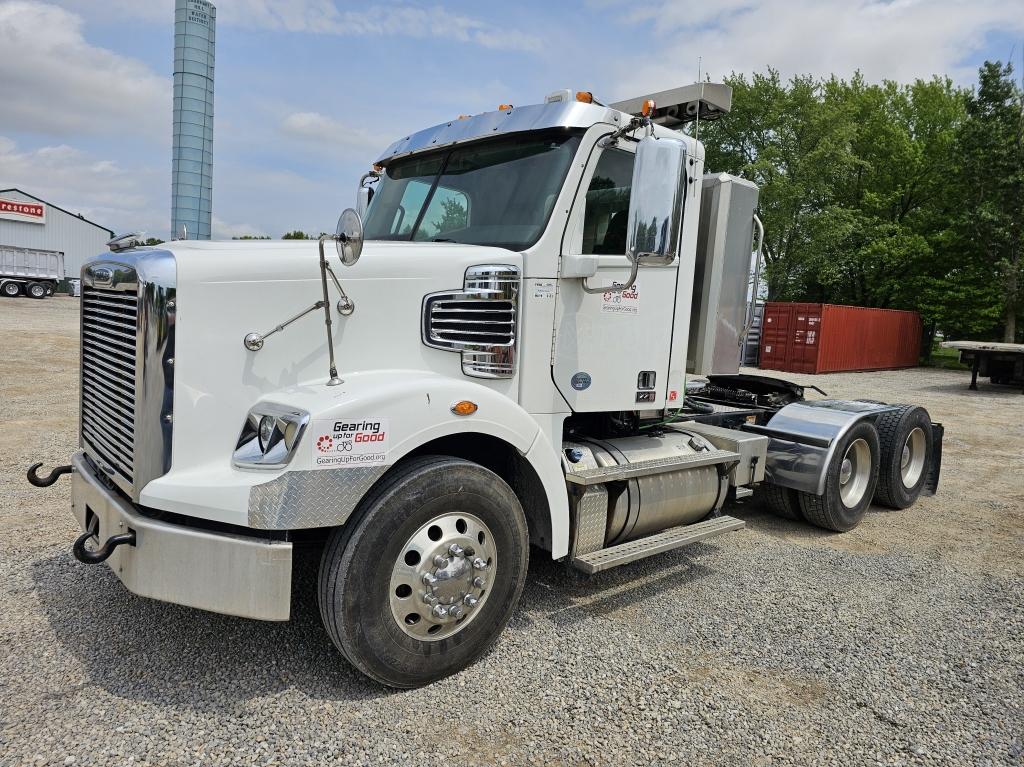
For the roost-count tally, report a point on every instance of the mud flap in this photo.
(931, 484)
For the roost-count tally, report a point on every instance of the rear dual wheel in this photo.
(850, 481)
(10, 289)
(422, 580)
(35, 290)
(906, 437)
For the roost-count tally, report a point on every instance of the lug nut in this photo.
(440, 561)
(471, 601)
(439, 611)
(479, 564)
(479, 582)
(456, 611)
(429, 579)
(429, 598)
(456, 550)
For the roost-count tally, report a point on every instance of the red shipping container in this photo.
(827, 338)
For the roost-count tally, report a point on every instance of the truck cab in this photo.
(497, 356)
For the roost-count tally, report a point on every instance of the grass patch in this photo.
(948, 359)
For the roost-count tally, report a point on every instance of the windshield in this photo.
(497, 193)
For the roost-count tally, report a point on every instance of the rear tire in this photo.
(11, 289)
(50, 289)
(850, 482)
(381, 570)
(782, 501)
(35, 290)
(906, 440)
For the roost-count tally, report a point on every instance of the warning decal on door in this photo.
(340, 443)
(621, 301)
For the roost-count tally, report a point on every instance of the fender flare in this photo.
(417, 409)
(803, 437)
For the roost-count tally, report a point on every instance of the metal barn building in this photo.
(29, 222)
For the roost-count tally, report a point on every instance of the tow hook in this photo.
(48, 480)
(95, 556)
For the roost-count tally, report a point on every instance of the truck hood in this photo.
(226, 290)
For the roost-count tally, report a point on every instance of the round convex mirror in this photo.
(349, 237)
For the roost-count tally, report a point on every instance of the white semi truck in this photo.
(507, 350)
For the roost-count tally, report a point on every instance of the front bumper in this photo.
(224, 573)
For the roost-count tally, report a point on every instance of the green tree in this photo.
(298, 234)
(253, 237)
(153, 241)
(992, 173)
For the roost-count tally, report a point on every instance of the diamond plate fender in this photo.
(302, 499)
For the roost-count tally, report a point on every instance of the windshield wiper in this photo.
(442, 239)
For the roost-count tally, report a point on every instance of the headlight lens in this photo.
(269, 436)
(268, 424)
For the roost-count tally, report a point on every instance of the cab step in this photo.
(603, 474)
(666, 540)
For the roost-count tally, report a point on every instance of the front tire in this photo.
(422, 581)
(850, 482)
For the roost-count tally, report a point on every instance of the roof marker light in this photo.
(585, 97)
(503, 107)
(648, 108)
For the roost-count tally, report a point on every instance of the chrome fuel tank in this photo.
(643, 505)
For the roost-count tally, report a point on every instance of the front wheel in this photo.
(423, 581)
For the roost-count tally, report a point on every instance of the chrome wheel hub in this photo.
(912, 458)
(441, 576)
(855, 473)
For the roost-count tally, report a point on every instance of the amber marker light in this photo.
(648, 108)
(503, 107)
(585, 97)
(464, 407)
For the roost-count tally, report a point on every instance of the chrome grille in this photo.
(479, 321)
(109, 332)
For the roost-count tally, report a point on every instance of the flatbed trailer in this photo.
(1001, 363)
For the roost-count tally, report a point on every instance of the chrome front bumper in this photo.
(232, 574)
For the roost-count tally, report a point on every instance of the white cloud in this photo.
(884, 39)
(325, 133)
(325, 17)
(101, 189)
(223, 230)
(56, 83)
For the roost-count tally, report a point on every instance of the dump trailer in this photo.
(30, 272)
(489, 356)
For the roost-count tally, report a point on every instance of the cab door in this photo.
(611, 349)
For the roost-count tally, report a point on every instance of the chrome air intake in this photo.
(127, 359)
(479, 321)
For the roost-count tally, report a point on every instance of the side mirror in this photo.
(656, 201)
(349, 237)
(365, 192)
(363, 197)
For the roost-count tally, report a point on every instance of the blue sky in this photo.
(309, 92)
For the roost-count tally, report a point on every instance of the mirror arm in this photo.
(616, 288)
(334, 380)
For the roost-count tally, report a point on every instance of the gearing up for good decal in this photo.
(340, 443)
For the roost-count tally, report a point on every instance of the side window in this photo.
(447, 213)
(607, 204)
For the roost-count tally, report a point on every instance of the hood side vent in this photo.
(479, 321)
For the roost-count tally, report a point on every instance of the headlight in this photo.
(269, 436)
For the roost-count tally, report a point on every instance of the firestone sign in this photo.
(19, 210)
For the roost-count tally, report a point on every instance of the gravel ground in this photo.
(901, 642)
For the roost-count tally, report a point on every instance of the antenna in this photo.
(696, 125)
